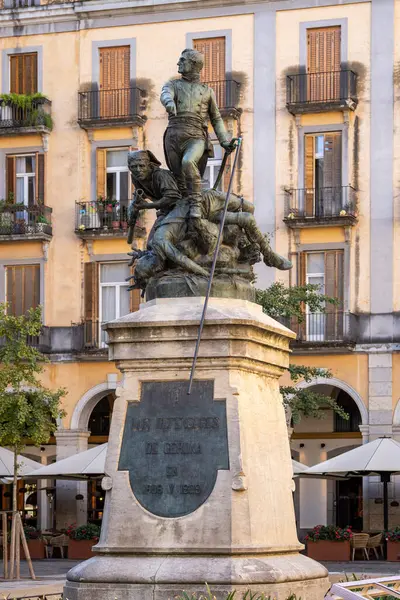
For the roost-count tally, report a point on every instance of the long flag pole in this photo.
(219, 240)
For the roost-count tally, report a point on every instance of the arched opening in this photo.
(332, 502)
(99, 426)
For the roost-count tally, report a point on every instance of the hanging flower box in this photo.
(327, 542)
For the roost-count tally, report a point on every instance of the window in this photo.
(114, 81)
(323, 63)
(22, 288)
(25, 178)
(117, 175)
(114, 297)
(323, 195)
(214, 70)
(212, 169)
(324, 269)
(23, 73)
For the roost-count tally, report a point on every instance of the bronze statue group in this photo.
(183, 238)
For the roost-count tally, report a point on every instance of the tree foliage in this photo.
(28, 410)
(283, 303)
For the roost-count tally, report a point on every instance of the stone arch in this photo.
(343, 386)
(83, 409)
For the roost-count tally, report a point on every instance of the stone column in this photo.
(68, 509)
(44, 508)
(243, 534)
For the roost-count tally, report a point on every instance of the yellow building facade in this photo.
(314, 92)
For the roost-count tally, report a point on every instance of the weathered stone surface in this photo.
(244, 535)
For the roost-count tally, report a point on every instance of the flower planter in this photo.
(80, 549)
(329, 550)
(393, 551)
(36, 549)
(115, 225)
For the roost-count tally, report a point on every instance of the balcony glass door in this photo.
(114, 297)
(25, 185)
(315, 275)
(322, 175)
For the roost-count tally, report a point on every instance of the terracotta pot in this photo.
(124, 225)
(115, 224)
(80, 549)
(329, 550)
(393, 551)
(36, 549)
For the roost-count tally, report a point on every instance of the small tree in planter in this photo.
(81, 540)
(393, 544)
(328, 542)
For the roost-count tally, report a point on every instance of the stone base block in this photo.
(164, 577)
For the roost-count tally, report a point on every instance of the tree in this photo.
(28, 410)
(284, 303)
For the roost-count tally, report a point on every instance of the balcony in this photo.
(41, 342)
(107, 108)
(227, 93)
(321, 92)
(311, 207)
(15, 4)
(321, 328)
(102, 219)
(28, 116)
(19, 222)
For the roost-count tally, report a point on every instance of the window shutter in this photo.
(213, 50)
(134, 297)
(22, 288)
(14, 73)
(114, 81)
(101, 172)
(91, 303)
(333, 169)
(10, 178)
(334, 287)
(40, 178)
(323, 50)
(309, 143)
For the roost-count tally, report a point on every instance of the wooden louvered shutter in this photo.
(10, 179)
(300, 328)
(23, 73)
(101, 157)
(115, 81)
(332, 193)
(213, 71)
(91, 303)
(309, 160)
(323, 63)
(134, 297)
(334, 260)
(22, 288)
(40, 178)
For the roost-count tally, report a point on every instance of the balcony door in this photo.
(115, 82)
(322, 175)
(213, 72)
(324, 269)
(323, 64)
(114, 295)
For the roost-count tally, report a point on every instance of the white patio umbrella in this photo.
(89, 463)
(380, 457)
(298, 467)
(25, 465)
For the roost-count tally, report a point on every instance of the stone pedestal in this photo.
(243, 535)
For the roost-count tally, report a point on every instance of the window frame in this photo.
(6, 66)
(117, 171)
(117, 286)
(25, 176)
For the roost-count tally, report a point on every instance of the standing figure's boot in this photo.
(195, 199)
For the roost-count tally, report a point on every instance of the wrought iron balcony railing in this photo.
(306, 91)
(42, 342)
(325, 203)
(18, 219)
(329, 327)
(226, 92)
(103, 217)
(124, 105)
(36, 114)
(19, 3)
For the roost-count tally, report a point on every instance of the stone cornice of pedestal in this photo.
(236, 335)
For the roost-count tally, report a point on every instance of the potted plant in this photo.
(328, 542)
(35, 542)
(393, 544)
(41, 223)
(81, 540)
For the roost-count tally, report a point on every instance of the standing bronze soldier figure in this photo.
(190, 104)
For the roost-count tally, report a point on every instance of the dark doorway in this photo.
(349, 503)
